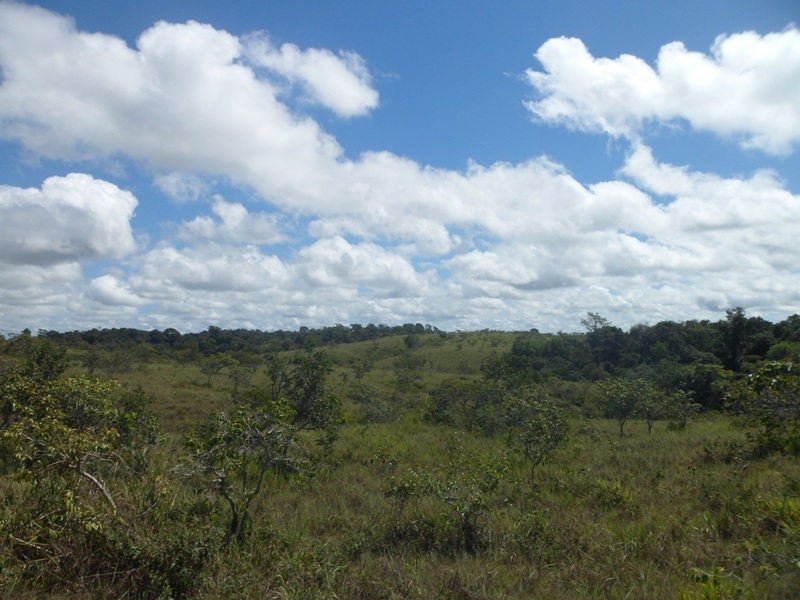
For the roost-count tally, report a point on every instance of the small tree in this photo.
(301, 380)
(137, 428)
(621, 398)
(470, 405)
(232, 454)
(362, 368)
(464, 485)
(680, 405)
(652, 405)
(39, 359)
(771, 395)
(65, 428)
(536, 427)
(240, 376)
(211, 365)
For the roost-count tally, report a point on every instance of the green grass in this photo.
(674, 514)
(642, 516)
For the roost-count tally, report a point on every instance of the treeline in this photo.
(606, 350)
(603, 349)
(216, 340)
(314, 470)
(697, 357)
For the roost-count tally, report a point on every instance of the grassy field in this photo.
(673, 514)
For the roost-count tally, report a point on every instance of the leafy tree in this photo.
(707, 383)
(240, 376)
(593, 322)
(92, 360)
(412, 341)
(302, 380)
(464, 485)
(607, 344)
(536, 427)
(408, 371)
(733, 331)
(621, 398)
(664, 341)
(784, 350)
(232, 453)
(362, 368)
(788, 330)
(470, 405)
(73, 429)
(771, 395)
(567, 355)
(680, 405)
(38, 358)
(137, 428)
(65, 428)
(494, 367)
(652, 405)
(211, 365)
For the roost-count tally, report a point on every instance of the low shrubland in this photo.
(436, 466)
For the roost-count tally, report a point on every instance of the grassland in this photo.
(675, 514)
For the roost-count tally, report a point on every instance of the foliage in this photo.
(70, 439)
(38, 359)
(469, 405)
(653, 406)
(401, 507)
(212, 365)
(232, 454)
(408, 372)
(622, 399)
(137, 428)
(301, 380)
(62, 545)
(680, 405)
(464, 486)
(65, 427)
(771, 395)
(536, 427)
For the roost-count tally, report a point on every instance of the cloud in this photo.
(69, 219)
(209, 268)
(341, 83)
(733, 223)
(379, 237)
(47, 235)
(107, 289)
(182, 187)
(336, 262)
(183, 101)
(235, 224)
(747, 88)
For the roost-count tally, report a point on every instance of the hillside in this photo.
(410, 483)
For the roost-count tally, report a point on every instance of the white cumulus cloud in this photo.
(340, 82)
(69, 219)
(183, 101)
(379, 237)
(747, 87)
(107, 289)
(234, 224)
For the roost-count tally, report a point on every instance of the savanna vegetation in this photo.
(403, 462)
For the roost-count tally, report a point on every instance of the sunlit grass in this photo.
(673, 514)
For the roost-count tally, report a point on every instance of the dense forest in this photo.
(375, 461)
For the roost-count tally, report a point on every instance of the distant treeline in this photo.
(216, 340)
(602, 349)
(699, 357)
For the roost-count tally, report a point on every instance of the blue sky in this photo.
(471, 165)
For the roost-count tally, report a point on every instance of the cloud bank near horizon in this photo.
(324, 238)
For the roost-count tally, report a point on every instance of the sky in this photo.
(472, 165)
